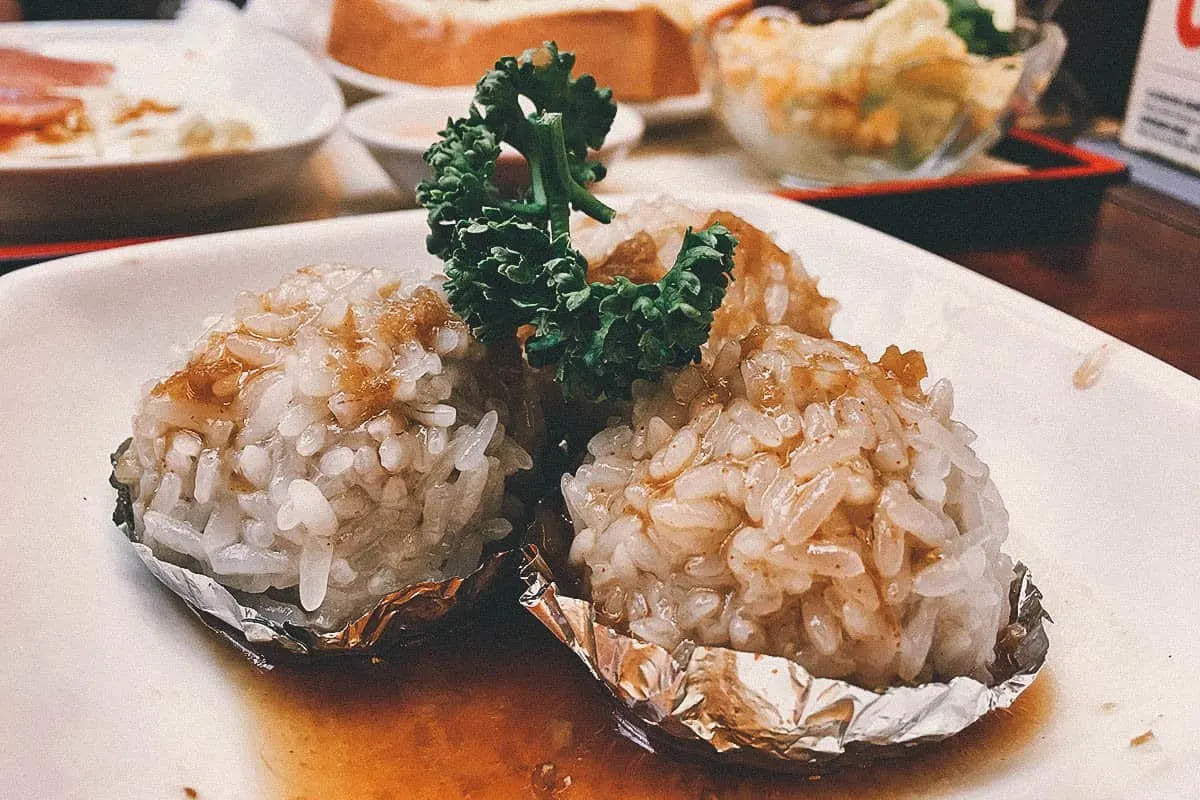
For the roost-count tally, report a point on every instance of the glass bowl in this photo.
(816, 111)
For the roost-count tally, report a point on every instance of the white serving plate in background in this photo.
(359, 86)
(108, 691)
(269, 81)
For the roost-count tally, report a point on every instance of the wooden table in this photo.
(1135, 275)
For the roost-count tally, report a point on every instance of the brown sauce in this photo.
(418, 317)
(214, 381)
(198, 382)
(356, 378)
(807, 312)
(10, 135)
(908, 367)
(140, 109)
(755, 247)
(59, 128)
(635, 258)
(505, 711)
(73, 125)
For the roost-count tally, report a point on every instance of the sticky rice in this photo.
(770, 285)
(789, 496)
(334, 439)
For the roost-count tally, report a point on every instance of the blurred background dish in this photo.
(397, 129)
(910, 90)
(639, 48)
(187, 121)
(358, 86)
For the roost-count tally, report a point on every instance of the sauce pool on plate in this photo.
(505, 711)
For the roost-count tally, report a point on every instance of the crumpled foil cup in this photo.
(267, 630)
(264, 629)
(767, 711)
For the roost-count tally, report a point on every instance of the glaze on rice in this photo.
(791, 497)
(340, 436)
(770, 286)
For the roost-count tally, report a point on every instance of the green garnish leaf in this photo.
(509, 263)
(603, 337)
(502, 272)
(463, 162)
(543, 76)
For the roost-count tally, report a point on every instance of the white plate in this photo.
(108, 691)
(259, 76)
(358, 85)
(397, 129)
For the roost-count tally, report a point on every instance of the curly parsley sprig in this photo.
(509, 262)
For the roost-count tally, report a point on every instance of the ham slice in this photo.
(22, 69)
(22, 108)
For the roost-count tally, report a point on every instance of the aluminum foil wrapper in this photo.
(767, 711)
(268, 630)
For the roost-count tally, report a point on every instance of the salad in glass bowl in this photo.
(913, 88)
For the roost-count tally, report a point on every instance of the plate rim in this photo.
(666, 111)
(1158, 374)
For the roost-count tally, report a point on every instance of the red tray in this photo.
(1055, 197)
(19, 255)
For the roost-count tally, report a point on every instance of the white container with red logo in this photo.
(1163, 116)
